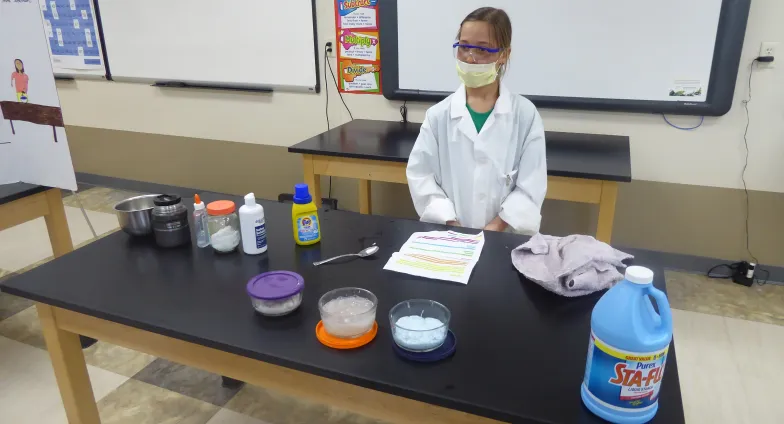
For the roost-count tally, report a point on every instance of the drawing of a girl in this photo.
(20, 80)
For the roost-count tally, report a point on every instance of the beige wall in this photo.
(711, 156)
(115, 126)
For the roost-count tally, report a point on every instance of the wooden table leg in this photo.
(70, 370)
(312, 180)
(54, 130)
(607, 211)
(13, 131)
(57, 224)
(365, 198)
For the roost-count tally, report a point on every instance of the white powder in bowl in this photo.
(419, 334)
(277, 307)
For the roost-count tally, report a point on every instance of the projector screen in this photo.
(668, 56)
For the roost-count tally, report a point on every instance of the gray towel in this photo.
(571, 266)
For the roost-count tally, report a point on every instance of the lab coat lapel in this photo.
(459, 111)
(502, 106)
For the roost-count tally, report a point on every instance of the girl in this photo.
(479, 160)
(19, 80)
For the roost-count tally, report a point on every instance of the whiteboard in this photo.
(72, 29)
(586, 51)
(233, 43)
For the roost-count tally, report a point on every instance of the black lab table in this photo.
(520, 349)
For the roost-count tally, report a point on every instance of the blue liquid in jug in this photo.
(627, 351)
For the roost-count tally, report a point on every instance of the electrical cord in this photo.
(328, 64)
(326, 84)
(746, 163)
(702, 120)
(338, 88)
(327, 48)
(734, 267)
(764, 280)
(731, 267)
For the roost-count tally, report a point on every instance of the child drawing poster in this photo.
(359, 53)
(33, 143)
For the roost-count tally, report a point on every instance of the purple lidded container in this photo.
(276, 293)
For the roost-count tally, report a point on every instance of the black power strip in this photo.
(743, 274)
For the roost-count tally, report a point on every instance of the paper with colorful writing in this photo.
(441, 255)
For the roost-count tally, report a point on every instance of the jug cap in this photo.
(639, 275)
(301, 194)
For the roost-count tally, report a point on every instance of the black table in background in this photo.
(573, 155)
(583, 168)
(16, 191)
(520, 354)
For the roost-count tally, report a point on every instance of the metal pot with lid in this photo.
(170, 221)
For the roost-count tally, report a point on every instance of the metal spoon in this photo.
(369, 251)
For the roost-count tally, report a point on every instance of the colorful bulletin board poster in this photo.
(72, 31)
(359, 57)
(33, 146)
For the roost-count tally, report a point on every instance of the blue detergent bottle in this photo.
(627, 350)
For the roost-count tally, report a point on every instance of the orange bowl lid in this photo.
(221, 207)
(340, 343)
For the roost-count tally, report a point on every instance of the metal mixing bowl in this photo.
(135, 214)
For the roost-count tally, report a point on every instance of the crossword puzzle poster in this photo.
(71, 28)
(359, 57)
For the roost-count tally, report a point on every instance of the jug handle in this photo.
(663, 305)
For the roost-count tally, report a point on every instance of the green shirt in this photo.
(479, 118)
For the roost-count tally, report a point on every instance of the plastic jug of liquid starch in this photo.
(627, 350)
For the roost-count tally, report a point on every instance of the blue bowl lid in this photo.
(446, 350)
(275, 285)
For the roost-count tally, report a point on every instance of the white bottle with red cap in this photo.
(253, 226)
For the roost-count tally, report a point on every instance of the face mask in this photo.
(475, 75)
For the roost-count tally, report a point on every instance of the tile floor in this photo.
(730, 342)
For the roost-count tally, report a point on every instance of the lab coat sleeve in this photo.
(423, 174)
(522, 208)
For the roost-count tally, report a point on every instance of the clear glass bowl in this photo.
(348, 312)
(414, 327)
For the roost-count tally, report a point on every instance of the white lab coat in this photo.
(456, 174)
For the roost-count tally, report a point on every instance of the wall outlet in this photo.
(330, 48)
(769, 48)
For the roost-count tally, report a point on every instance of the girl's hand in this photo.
(497, 225)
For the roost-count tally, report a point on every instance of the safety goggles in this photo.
(480, 54)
